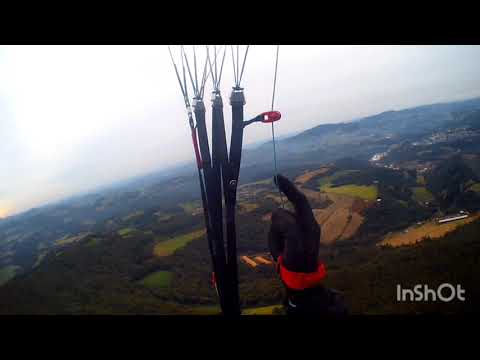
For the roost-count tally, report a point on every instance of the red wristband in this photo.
(299, 280)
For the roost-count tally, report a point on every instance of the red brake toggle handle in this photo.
(271, 116)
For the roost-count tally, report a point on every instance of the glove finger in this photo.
(302, 207)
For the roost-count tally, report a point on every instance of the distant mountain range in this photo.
(370, 134)
(317, 145)
(90, 252)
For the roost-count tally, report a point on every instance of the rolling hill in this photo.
(139, 247)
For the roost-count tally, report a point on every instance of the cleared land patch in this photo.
(263, 310)
(40, 258)
(274, 197)
(475, 187)
(262, 260)
(302, 179)
(331, 178)
(215, 310)
(327, 184)
(248, 261)
(159, 280)
(430, 229)
(92, 242)
(168, 247)
(161, 216)
(7, 273)
(192, 208)
(247, 207)
(260, 182)
(421, 194)
(316, 198)
(203, 310)
(367, 192)
(125, 231)
(67, 239)
(351, 228)
(133, 215)
(340, 220)
(339, 209)
(421, 180)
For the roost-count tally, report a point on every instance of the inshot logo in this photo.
(445, 292)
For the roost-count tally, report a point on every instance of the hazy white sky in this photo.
(75, 117)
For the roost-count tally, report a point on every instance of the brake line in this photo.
(273, 128)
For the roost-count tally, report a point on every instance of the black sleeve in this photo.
(318, 301)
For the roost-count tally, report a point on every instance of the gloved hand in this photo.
(295, 236)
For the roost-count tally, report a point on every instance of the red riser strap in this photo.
(298, 280)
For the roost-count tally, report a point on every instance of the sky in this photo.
(73, 118)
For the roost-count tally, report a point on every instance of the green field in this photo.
(133, 215)
(7, 273)
(161, 216)
(159, 280)
(168, 247)
(40, 258)
(125, 231)
(421, 180)
(215, 310)
(360, 191)
(92, 242)
(260, 182)
(67, 239)
(204, 310)
(263, 310)
(326, 180)
(191, 208)
(367, 192)
(475, 187)
(247, 207)
(421, 194)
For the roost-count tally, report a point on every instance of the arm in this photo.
(294, 241)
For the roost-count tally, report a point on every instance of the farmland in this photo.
(324, 180)
(421, 180)
(161, 216)
(318, 180)
(263, 310)
(418, 233)
(191, 208)
(475, 187)
(70, 239)
(125, 231)
(337, 209)
(152, 265)
(133, 215)
(41, 256)
(159, 280)
(203, 310)
(7, 273)
(215, 310)
(246, 207)
(421, 194)
(360, 191)
(340, 220)
(168, 247)
(308, 175)
(146, 253)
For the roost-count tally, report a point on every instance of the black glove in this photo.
(295, 236)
